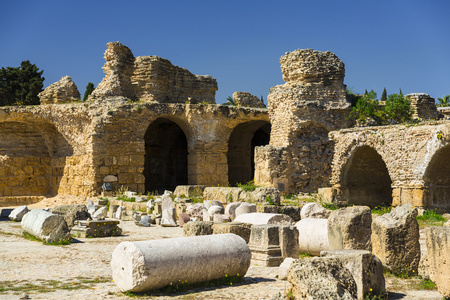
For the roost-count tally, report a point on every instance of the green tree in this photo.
(262, 99)
(366, 108)
(89, 89)
(21, 86)
(444, 101)
(384, 95)
(230, 101)
(398, 108)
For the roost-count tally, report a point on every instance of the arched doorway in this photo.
(241, 150)
(166, 156)
(367, 179)
(437, 179)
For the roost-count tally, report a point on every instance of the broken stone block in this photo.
(189, 190)
(435, 264)
(395, 239)
(313, 210)
(321, 278)
(18, 213)
(195, 210)
(180, 208)
(147, 265)
(51, 228)
(183, 218)
(72, 213)
(198, 228)
(112, 210)
(262, 218)
(245, 208)
(215, 209)
(230, 209)
(121, 210)
(366, 268)
(312, 235)
(241, 229)
(96, 228)
(291, 211)
(264, 244)
(102, 212)
(221, 218)
(350, 228)
(283, 269)
(145, 221)
(168, 211)
(289, 241)
(222, 194)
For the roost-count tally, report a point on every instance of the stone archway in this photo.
(241, 150)
(437, 179)
(366, 179)
(166, 156)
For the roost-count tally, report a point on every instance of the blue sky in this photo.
(393, 44)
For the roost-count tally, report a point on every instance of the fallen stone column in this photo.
(265, 219)
(146, 265)
(51, 228)
(312, 235)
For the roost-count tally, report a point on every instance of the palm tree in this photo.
(444, 101)
(230, 101)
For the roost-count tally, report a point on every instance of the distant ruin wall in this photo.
(62, 91)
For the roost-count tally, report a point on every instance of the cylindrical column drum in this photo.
(146, 265)
(312, 235)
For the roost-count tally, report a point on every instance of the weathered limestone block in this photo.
(289, 241)
(168, 211)
(198, 228)
(283, 269)
(96, 228)
(245, 208)
(209, 203)
(261, 195)
(72, 213)
(221, 218)
(291, 211)
(222, 194)
(183, 218)
(195, 210)
(350, 228)
(189, 190)
(264, 244)
(102, 212)
(46, 226)
(18, 213)
(313, 210)
(424, 106)
(436, 263)
(62, 91)
(241, 229)
(118, 68)
(215, 209)
(312, 235)
(395, 239)
(146, 265)
(263, 218)
(247, 99)
(155, 79)
(321, 278)
(230, 209)
(366, 268)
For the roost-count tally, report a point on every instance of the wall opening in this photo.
(166, 156)
(366, 179)
(241, 150)
(437, 179)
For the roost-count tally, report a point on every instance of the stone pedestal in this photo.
(265, 245)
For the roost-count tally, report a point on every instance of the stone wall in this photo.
(150, 79)
(247, 99)
(302, 111)
(424, 106)
(62, 91)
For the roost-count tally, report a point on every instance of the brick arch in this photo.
(166, 155)
(241, 147)
(365, 178)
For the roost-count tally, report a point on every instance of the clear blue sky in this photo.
(393, 44)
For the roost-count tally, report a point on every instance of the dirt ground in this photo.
(82, 270)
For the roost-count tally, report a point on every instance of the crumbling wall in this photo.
(150, 79)
(424, 106)
(62, 91)
(302, 111)
(248, 100)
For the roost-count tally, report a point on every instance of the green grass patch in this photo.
(330, 206)
(249, 186)
(381, 210)
(430, 218)
(184, 286)
(426, 284)
(30, 237)
(305, 255)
